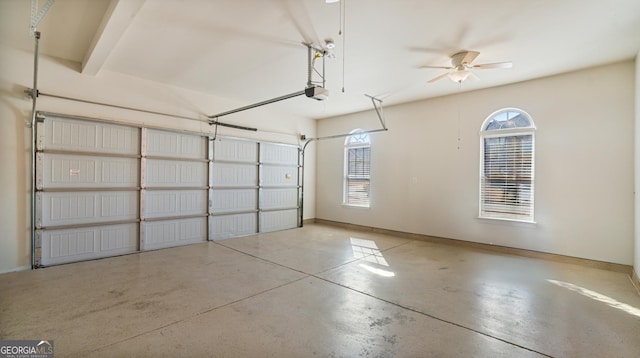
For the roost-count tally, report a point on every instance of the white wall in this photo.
(422, 183)
(63, 78)
(636, 264)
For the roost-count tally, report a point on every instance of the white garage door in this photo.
(87, 189)
(105, 189)
(174, 196)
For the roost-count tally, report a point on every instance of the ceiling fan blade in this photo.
(494, 65)
(439, 67)
(470, 56)
(438, 78)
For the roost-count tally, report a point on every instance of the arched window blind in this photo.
(507, 166)
(357, 169)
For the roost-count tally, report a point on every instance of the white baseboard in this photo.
(15, 269)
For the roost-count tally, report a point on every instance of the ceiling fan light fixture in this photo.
(459, 76)
(461, 66)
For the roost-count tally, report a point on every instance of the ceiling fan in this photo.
(461, 66)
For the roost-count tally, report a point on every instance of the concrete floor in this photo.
(327, 292)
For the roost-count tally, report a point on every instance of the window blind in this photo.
(358, 175)
(507, 177)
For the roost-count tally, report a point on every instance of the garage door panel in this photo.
(279, 187)
(86, 136)
(168, 233)
(69, 245)
(278, 154)
(175, 145)
(174, 173)
(228, 226)
(278, 220)
(279, 176)
(62, 171)
(234, 200)
(235, 151)
(167, 203)
(278, 198)
(234, 175)
(78, 208)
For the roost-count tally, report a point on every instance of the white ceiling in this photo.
(251, 50)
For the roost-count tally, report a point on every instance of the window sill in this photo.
(361, 207)
(520, 221)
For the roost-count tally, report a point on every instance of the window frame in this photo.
(505, 133)
(349, 145)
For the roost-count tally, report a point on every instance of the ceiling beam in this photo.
(115, 22)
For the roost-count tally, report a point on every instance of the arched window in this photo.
(357, 169)
(507, 140)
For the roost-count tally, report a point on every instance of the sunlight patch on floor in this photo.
(598, 297)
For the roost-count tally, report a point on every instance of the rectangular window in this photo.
(507, 177)
(357, 176)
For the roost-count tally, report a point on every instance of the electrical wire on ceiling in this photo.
(340, 21)
(341, 32)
